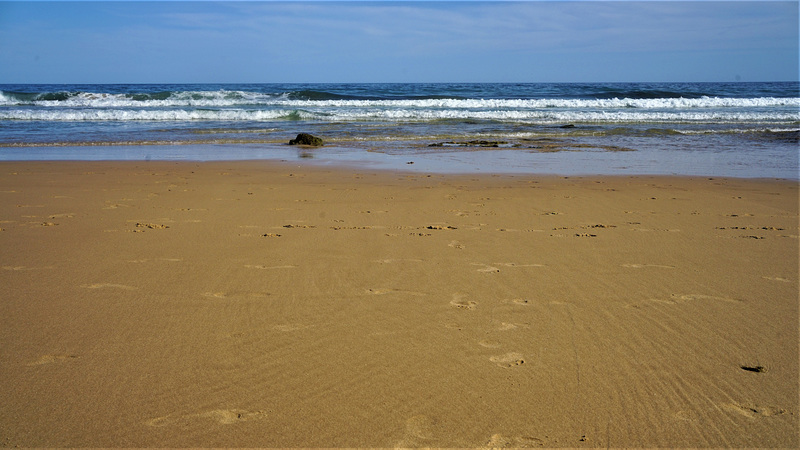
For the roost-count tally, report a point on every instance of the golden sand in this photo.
(265, 304)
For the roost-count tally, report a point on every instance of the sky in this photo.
(454, 41)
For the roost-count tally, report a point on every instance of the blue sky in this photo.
(261, 42)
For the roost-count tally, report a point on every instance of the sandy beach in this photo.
(256, 304)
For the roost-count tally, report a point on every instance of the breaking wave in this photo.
(225, 98)
(612, 103)
(386, 113)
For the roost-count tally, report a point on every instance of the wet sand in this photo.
(256, 304)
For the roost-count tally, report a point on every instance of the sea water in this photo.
(723, 129)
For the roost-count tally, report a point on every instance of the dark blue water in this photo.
(746, 129)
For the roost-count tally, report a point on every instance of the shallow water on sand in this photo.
(720, 129)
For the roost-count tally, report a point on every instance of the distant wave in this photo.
(310, 99)
(592, 103)
(534, 104)
(322, 95)
(312, 95)
(151, 99)
(647, 94)
(172, 115)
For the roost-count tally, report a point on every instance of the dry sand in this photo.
(262, 304)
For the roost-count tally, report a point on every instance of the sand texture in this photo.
(264, 304)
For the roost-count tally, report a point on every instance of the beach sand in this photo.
(257, 304)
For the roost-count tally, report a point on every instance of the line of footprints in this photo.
(507, 360)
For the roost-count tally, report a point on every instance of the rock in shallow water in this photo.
(470, 144)
(306, 139)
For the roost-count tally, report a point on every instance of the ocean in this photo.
(714, 129)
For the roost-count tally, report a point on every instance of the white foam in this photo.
(6, 99)
(147, 115)
(221, 98)
(226, 98)
(227, 105)
(616, 103)
(400, 114)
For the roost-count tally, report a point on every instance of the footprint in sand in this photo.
(505, 326)
(511, 264)
(62, 216)
(781, 279)
(221, 416)
(753, 411)
(459, 302)
(230, 416)
(108, 285)
(680, 298)
(676, 299)
(379, 291)
(456, 245)
(392, 261)
(642, 266)
(419, 432)
(382, 291)
(501, 441)
(492, 269)
(440, 227)
(151, 226)
(508, 360)
(263, 267)
(464, 304)
(233, 295)
(486, 268)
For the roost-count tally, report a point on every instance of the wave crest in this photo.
(322, 99)
(400, 114)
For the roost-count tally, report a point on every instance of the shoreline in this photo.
(263, 303)
(565, 162)
(350, 167)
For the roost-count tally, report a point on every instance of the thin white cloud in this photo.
(281, 41)
(533, 26)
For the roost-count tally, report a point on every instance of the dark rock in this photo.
(306, 139)
(487, 143)
(792, 136)
(476, 143)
